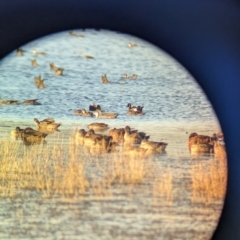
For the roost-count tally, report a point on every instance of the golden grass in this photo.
(209, 180)
(72, 172)
(38, 168)
(163, 186)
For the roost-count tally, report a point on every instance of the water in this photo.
(174, 105)
(167, 91)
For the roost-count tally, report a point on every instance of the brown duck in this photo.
(105, 79)
(47, 124)
(31, 102)
(98, 126)
(200, 143)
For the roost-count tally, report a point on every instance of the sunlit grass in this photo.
(71, 171)
(209, 180)
(61, 169)
(163, 186)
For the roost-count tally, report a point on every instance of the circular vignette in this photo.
(202, 36)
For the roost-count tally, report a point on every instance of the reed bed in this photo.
(64, 170)
(72, 171)
(39, 168)
(163, 186)
(209, 180)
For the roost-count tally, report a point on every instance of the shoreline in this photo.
(160, 126)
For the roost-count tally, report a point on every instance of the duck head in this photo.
(18, 129)
(36, 121)
(98, 107)
(127, 129)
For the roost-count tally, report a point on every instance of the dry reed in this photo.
(68, 170)
(61, 169)
(163, 186)
(209, 180)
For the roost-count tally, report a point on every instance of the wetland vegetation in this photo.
(146, 161)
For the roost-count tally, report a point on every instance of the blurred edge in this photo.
(203, 36)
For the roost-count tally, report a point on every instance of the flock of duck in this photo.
(58, 71)
(16, 102)
(96, 110)
(133, 141)
(138, 144)
(202, 144)
(39, 81)
(130, 141)
(125, 76)
(30, 136)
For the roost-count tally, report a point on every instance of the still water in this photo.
(174, 106)
(167, 91)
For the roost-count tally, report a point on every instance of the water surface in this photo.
(174, 105)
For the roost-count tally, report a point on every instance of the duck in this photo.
(133, 77)
(219, 145)
(16, 133)
(79, 136)
(100, 114)
(31, 102)
(132, 137)
(94, 107)
(98, 126)
(105, 79)
(39, 82)
(132, 108)
(34, 63)
(76, 34)
(30, 136)
(131, 45)
(35, 52)
(52, 66)
(151, 145)
(104, 144)
(87, 57)
(200, 143)
(20, 52)
(83, 112)
(48, 124)
(99, 142)
(9, 102)
(90, 137)
(130, 113)
(59, 71)
(117, 134)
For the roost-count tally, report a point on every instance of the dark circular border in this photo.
(204, 36)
